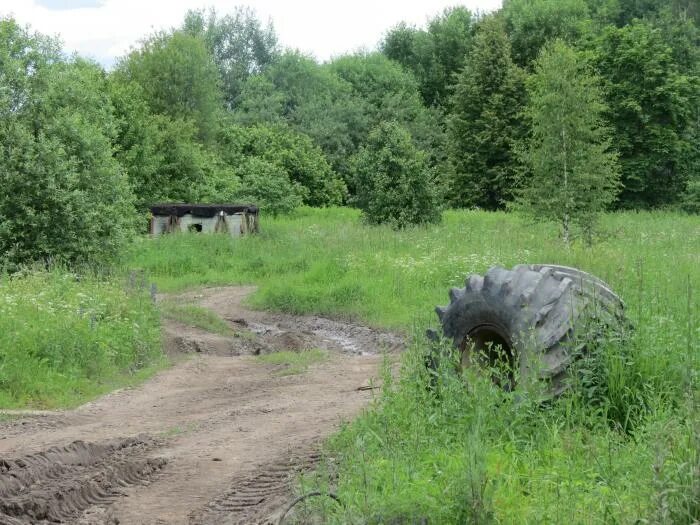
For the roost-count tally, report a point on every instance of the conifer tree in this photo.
(485, 121)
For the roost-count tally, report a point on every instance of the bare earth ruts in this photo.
(215, 439)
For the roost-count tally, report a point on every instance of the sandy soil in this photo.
(216, 439)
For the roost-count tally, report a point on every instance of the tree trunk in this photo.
(566, 219)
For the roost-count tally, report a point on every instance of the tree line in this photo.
(561, 108)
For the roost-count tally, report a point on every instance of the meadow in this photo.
(623, 448)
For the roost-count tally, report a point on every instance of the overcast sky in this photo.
(106, 29)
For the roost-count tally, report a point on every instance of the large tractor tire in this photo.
(536, 319)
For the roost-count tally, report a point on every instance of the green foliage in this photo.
(292, 363)
(312, 100)
(238, 42)
(62, 194)
(623, 12)
(138, 141)
(338, 104)
(178, 77)
(473, 450)
(162, 155)
(691, 196)
(197, 316)
(651, 103)
(268, 186)
(433, 55)
(65, 338)
(485, 121)
(394, 182)
(294, 153)
(389, 93)
(572, 173)
(531, 23)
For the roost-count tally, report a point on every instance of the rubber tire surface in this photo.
(547, 315)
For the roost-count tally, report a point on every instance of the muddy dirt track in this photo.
(216, 439)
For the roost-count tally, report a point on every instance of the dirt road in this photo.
(216, 438)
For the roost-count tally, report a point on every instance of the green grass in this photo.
(627, 451)
(327, 262)
(293, 363)
(66, 338)
(196, 316)
(178, 430)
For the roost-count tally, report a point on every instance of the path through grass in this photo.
(625, 450)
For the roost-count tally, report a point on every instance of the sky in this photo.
(106, 29)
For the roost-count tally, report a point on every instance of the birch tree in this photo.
(572, 171)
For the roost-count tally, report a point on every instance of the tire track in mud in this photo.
(58, 484)
(255, 498)
(235, 432)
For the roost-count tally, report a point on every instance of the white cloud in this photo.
(323, 28)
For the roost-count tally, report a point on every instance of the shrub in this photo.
(293, 152)
(393, 181)
(268, 186)
(63, 196)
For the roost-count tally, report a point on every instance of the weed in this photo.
(196, 316)
(65, 338)
(294, 362)
(178, 430)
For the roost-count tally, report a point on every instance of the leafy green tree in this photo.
(294, 153)
(485, 122)
(162, 155)
(573, 174)
(338, 104)
(451, 33)
(691, 195)
(137, 141)
(311, 99)
(395, 184)
(260, 102)
(628, 10)
(268, 186)
(239, 43)
(391, 93)
(178, 78)
(531, 23)
(63, 196)
(433, 55)
(189, 171)
(651, 100)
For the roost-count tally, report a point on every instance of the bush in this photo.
(269, 187)
(63, 196)
(293, 152)
(393, 181)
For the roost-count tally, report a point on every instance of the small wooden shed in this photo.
(234, 219)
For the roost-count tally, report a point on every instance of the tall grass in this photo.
(326, 261)
(623, 448)
(67, 337)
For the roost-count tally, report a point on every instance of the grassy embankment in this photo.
(626, 448)
(66, 338)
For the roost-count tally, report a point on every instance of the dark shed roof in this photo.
(201, 210)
